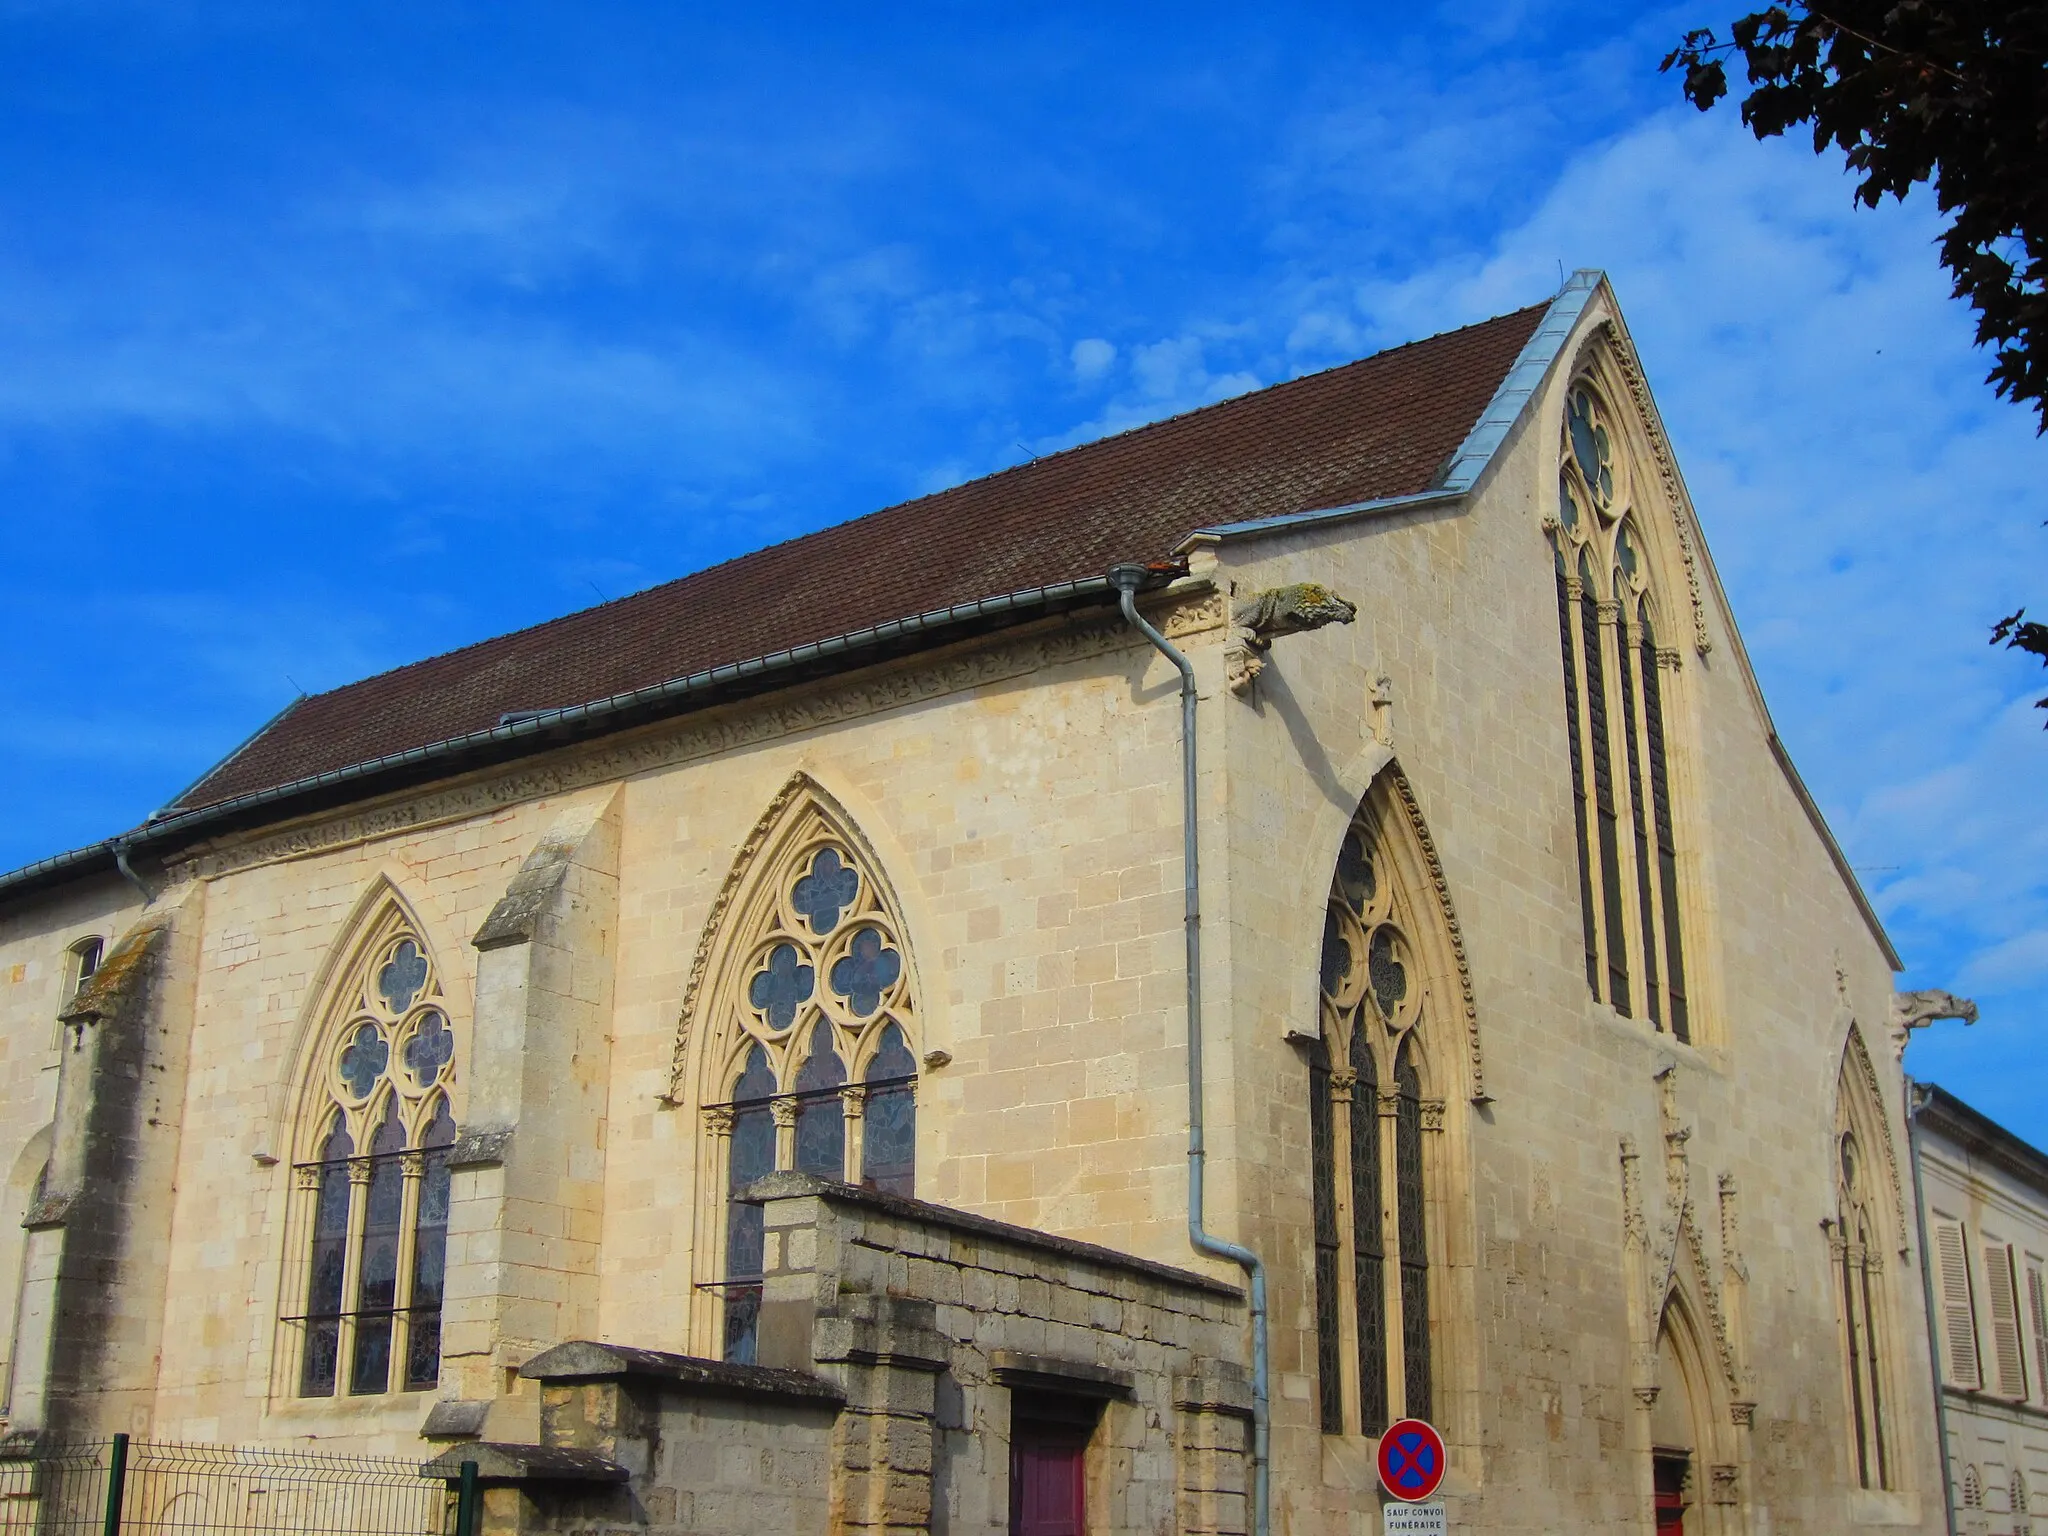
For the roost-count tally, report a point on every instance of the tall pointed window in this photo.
(1368, 1120)
(1862, 1232)
(815, 1012)
(371, 1191)
(1614, 716)
(1859, 1259)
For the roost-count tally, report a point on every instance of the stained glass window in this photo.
(1615, 718)
(375, 1193)
(1368, 1245)
(1412, 1225)
(823, 980)
(329, 1262)
(377, 1283)
(365, 1059)
(429, 1254)
(402, 977)
(826, 891)
(888, 1155)
(1389, 976)
(1646, 872)
(751, 1156)
(820, 1113)
(780, 986)
(1366, 1019)
(1328, 1281)
(1858, 1247)
(867, 970)
(429, 1049)
(1607, 817)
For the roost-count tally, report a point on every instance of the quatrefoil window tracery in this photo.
(1595, 525)
(1366, 964)
(400, 1033)
(827, 920)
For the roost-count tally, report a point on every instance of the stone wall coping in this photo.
(583, 1360)
(786, 1185)
(1082, 1378)
(499, 1463)
(1215, 1386)
(455, 1419)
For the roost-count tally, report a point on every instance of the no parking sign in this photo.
(1411, 1460)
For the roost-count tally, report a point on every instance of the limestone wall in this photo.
(901, 1336)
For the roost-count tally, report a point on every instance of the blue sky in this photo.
(336, 336)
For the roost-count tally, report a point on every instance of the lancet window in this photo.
(371, 1189)
(820, 1073)
(1615, 680)
(1369, 1124)
(1858, 1238)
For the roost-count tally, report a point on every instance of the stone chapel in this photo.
(1069, 1004)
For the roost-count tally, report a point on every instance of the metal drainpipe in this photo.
(1948, 1498)
(121, 863)
(1126, 579)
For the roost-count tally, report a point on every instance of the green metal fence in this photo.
(155, 1488)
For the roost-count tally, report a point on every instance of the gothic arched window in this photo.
(371, 1193)
(1858, 1257)
(1859, 1236)
(1369, 1169)
(812, 1020)
(1615, 718)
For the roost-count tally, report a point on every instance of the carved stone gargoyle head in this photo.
(1257, 621)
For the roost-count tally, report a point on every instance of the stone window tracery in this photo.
(1369, 1121)
(813, 1025)
(371, 1190)
(1615, 716)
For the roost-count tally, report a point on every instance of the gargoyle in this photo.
(1916, 1010)
(1257, 621)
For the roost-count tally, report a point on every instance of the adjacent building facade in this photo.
(1986, 1213)
(755, 1014)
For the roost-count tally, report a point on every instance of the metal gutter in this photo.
(1462, 471)
(162, 829)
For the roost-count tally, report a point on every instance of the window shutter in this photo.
(2037, 1314)
(2005, 1321)
(1959, 1323)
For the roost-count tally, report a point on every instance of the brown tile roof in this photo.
(1382, 426)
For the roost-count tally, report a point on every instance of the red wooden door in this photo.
(1671, 1476)
(1047, 1485)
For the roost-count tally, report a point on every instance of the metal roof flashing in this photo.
(1462, 471)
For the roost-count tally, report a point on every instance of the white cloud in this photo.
(1092, 357)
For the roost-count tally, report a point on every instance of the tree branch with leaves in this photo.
(1950, 93)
